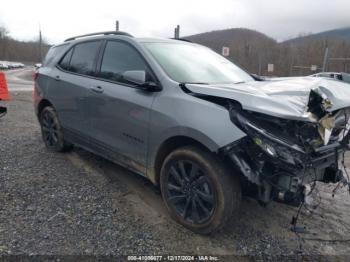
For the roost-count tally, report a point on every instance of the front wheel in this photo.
(198, 190)
(51, 131)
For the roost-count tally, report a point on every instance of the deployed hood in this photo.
(287, 98)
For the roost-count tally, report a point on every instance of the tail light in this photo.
(35, 75)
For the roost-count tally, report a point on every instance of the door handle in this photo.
(97, 89)
(58, 78)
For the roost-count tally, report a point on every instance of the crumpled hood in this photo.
(287, 98)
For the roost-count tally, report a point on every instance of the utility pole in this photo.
(325, 59)
(117, 25)
(177, 32)
(40, 44)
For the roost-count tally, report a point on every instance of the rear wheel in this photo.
(198, 190)
(51, 131)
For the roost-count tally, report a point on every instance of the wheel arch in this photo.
(42, 104)
(169, 145)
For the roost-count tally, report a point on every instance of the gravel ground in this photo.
(77, 204)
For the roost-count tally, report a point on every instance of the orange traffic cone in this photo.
(4, 92)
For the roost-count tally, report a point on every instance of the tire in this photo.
(198, 190)
(51, 131)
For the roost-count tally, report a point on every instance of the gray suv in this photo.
(192, 122)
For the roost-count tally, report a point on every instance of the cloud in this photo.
(278, 18)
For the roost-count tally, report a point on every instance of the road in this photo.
(20, 79)
(78, 203)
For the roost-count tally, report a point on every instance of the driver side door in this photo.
(119, 113)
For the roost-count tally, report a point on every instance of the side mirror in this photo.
(38, 65)
(138, 77)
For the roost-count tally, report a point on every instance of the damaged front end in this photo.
(282, 156)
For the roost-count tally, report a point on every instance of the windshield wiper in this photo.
(183, 84)
(194, 83)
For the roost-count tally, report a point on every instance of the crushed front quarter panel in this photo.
(285, 99)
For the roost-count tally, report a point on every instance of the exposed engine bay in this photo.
(283, 156)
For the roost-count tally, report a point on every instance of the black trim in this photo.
(100, 57)
(98, 148)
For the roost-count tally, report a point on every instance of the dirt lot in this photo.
(77, 203)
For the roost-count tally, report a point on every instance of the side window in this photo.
(119, 57)
(83, 58)
(52, 54)
(64, 64)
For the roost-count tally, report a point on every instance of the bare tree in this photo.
(14, 50)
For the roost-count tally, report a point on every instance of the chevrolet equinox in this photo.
(199, 127)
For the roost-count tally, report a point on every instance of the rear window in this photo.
(83, 58)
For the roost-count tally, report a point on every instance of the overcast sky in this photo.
(60, 19)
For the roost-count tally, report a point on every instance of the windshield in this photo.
(187, 63)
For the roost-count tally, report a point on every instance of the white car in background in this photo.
(3, 65)
(10, 65)
(335, 75)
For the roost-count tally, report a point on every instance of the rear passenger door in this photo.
(119, 113)
(72, 81)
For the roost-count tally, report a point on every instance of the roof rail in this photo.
(99, 33)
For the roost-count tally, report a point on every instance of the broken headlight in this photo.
(272, 145)
(265, 146)
(256, 132)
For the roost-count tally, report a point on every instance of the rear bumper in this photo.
(37, 98)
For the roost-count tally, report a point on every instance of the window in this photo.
(83, 58)
(118, 58)
(346, 77)
(189, 63)
(64, 64)
(52, 54)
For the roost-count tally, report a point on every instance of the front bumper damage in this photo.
(297, 131)
(280, 168)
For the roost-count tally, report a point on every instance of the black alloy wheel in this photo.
(190, 192)
(51, 131)
(198, 189)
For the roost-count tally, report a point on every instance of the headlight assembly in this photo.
(265, 146)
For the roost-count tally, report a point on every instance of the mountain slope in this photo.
(230, 37)
(245, 44)
(342, 34)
